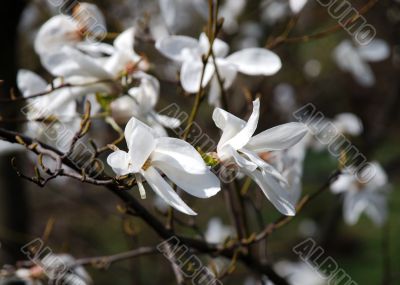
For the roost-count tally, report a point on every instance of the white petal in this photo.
(180, 154)
(141, 142)
(229, 124)
(71, 62)
(227, 72)
(168, 122)
(29, 83)
(119, 162)
(348, 123)
(376, 50)
(278, 138)
(220, 48)
(377, 209)
(174, 47)
(125, 41)
(256, 61)
(58, 31)
(96, 49)
(297, 5)
(353, 206)
(228, 153)
(164, 190)
(379, 179)
(90, 18)
(275, 193)
(345, 182)
(244, 135)
(191, 74)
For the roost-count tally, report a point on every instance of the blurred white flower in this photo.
(140, 104)
(355, 59)
(181, 15)
(369, 198)
(189, 52)
(177, 159)
(299, 273)
(237, 145)
(58, 108)
(77, 30)
(297, 5)
(217, 232)
(230, 11)
(348, 123)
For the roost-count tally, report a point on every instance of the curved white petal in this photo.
(119, 162)
(168, 122)
(353, 206)
(348, 123)
(276, 194)
(229, 124)
(244, 135)
(125, 41)
(90, 18)
(141, 142)
(345, 182)
(220, 48)
(297, 5)
(278, 138)
(71, 62)
(164, 190)
(30, 83)
(256, 61)
(191, 73)
(180, 154)
(174, 47)
(376, 50)
(58, 31)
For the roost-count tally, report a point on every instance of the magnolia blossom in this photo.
(175, 158)
(369, 198)
(355, 59)
(86, 22)
(140, 104)
(189, 52)
(238, 145)
(217, 232)
(56, 107)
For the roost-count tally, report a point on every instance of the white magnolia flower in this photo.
(355, 59)
(76, 67)
(124, 58)
(175, 158)
(189, 51)
(140, 103)
(238, 145)
(299, 273)
(369, 198)
(217, 232)
(58, 104)
(63, 30)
